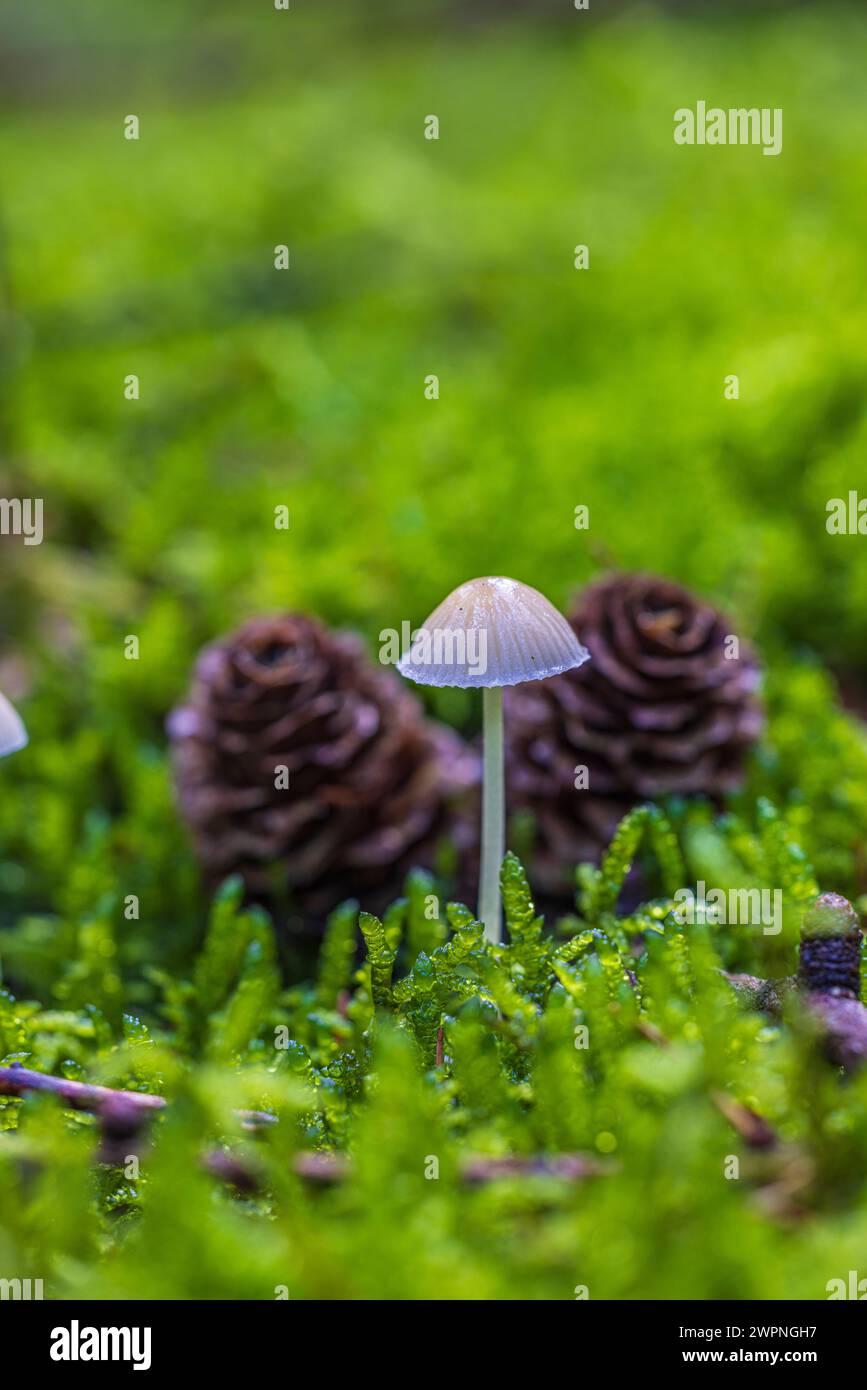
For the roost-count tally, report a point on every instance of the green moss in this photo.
(548, 1044)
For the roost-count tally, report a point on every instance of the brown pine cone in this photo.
(372, 785)
(659, 708)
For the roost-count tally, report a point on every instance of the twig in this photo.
(15, 1080)
(482, 1168)
(123, 1114)
(753, 1129)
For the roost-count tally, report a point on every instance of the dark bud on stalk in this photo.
(828, 980)
(830, 959)
(830, 974)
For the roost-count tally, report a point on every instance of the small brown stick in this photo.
(479, 1168)
(652, 1033)
(255, 1119)
(755, 1131)
(78, 1095)
(123, 1113)
(102, 1100)
(324, 1169)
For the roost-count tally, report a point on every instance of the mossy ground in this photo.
(558, 388)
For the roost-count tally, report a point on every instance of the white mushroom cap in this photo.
(492, 631)
(13, 735)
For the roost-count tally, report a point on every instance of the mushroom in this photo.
(492, 632)
(13, 734)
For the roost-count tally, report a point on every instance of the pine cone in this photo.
(372, 785)
(659, 708)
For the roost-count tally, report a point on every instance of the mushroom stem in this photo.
(493, 813)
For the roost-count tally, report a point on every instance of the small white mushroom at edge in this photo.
(13, 735)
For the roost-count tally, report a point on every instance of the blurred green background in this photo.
(411, 257)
